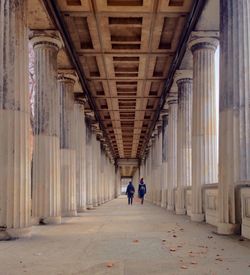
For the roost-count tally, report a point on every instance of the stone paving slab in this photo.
(118, 239)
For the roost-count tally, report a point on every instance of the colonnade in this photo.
(72, 169)
(200, 178)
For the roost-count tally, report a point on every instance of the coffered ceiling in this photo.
(125, 49)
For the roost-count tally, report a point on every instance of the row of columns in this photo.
(189, 123)
(189, 134)
(71, 170)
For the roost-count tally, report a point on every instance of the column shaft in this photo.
(80, 157)
(15, 184)
(234, 139)
(89, 181)
(68, 146)
(172, 153)
(204, 116)
(184, 133)
(46, 204)
(164, 160)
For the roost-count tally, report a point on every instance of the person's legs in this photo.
(131, 200)
(128, 200)
(142, 199)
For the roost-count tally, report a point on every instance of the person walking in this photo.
(130, 192)
(142, 190)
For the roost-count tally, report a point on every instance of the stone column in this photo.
(159, 164)
(149, 195)
(94, 168)
(234, 116)
(80, 157)
(67, 145)
(164, 159)
(153, 167)
(98, 172)
(46, 196)
(89, 181)
(184, 134)
(15, 149)
(172, 152)
(204, 115)
(102, 173)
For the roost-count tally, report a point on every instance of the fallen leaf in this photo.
(172, 249)
(210, 237)
(110, 265)
(163, 241)
(219, 259)
(135, 241)
(174, 236)
(184, 267)
(193, 262)
(179, 245)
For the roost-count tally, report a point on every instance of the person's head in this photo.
(130, 182)
(141, 180)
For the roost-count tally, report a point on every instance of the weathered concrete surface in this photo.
(86, 244)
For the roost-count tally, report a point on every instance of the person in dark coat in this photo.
(130, 192)
(142, 190)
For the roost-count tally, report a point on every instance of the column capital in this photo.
(204, 40)
(183, 75)
(67, 76)
(45, 39)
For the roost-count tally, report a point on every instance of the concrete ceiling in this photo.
(125, 49)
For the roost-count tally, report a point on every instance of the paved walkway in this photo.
(120, 239)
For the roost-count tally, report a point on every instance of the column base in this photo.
(170, 208)
(82, 209)
(197, 217)
(227, 228)
(95, 204)
(180, 211)
(15, 233)
(90, 207)
(163, 205)
(71, 213)
(52, 220)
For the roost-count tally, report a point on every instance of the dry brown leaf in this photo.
(163, 241)
(135, 241)
(109, 265)
(219, 259)
(184, 267)
(172, 249)
(193, 262)
(174, 236)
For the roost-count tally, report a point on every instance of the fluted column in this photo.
(46, 197)
(164, 160)
(150, 175)
(172, 152)
(234, 116)
(204, 115)
(67, 145)
(94, 169)
(184, 134)
(102, 163)
(89, 180)
(80, 157)
(15, 149)
(159, 164)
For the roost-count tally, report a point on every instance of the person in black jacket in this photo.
(142, 190)
(130, 192)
